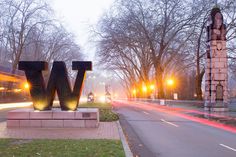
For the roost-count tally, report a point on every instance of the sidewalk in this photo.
(190, 107)
(106, 130)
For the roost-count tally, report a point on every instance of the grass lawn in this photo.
(60, 148)
(106, 114)
(97, 104)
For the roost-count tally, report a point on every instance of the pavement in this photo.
(155, 131)
(193, 104)
(152, 130)
(105, 130)
(228, 114)
(228, 118)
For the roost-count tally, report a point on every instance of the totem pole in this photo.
(216, 73)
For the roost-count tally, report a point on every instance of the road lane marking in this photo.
(145, 112)
(228, 147)
(169, 123)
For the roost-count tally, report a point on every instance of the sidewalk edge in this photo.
(127, 150)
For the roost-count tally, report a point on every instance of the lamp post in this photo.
(134, 92)
(170, 83)
(153, 90)
(144, 89)
(25, 86)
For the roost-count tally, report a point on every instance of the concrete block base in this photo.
(82, 118)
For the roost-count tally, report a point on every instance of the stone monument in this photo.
(42, 115)
(216, 73)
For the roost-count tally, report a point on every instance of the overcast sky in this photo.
(77, 15)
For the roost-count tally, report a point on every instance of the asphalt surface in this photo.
(153, 133)
(3, 114)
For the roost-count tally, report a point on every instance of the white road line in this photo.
(145, 112)
(228, 147)
(169, 123)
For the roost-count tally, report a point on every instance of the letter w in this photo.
(58, 81)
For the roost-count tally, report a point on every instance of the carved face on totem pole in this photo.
(218, 21)
(216, 28)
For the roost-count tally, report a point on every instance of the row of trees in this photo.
(29, 31)
(146, 40)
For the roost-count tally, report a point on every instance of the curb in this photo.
(127, 150)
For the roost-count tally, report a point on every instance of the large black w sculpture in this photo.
(58, 81)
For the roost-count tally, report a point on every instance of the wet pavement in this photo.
(212, 117)
(188, 108)
(161, 131)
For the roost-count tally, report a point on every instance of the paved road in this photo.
(3, 114)
(5, 107)
(152, 132)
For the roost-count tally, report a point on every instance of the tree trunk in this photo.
(198, 88)
(159, 81)
(199, 78)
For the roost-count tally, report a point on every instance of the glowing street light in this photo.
(152, 87)
(17, 90)
(144, 89)
(170, 82)
(2, 88)
(134, 92)
(26, 85)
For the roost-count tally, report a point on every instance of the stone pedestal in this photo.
(216, 77)
(82, 118)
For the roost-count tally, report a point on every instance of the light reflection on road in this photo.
(27, 104)
(14, 105)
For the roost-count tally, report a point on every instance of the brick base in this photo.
(82, 118)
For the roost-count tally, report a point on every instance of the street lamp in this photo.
(134, 92)
(26, 85)
(152, 90)
(2, 88)
(170, 83)
(144, 89)
(25, 88)
(152, 87)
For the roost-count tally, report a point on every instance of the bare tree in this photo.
(122, 48)
(52, 43)
(20, 18)
(156, 32)
(27, 32)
